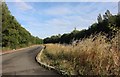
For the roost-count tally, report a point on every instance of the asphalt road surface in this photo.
(23, 62)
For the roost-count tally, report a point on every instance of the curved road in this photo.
(23, 62)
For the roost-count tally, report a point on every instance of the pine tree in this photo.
(99, 18)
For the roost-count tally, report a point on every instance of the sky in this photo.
(44, 19)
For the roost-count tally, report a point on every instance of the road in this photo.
(22, 62)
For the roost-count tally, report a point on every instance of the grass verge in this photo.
(91, 56)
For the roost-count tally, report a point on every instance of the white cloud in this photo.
(61, 19)
(56, 25)
(23, 5)
(58, 22)
(67, 23)
(57, 11)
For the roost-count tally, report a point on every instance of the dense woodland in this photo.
(107, 24)
(13, 34)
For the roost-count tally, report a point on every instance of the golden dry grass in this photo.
(88, 57)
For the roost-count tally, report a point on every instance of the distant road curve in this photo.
(22, 62)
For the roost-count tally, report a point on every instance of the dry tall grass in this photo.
(91, 56)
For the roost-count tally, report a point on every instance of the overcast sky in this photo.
(44, 19)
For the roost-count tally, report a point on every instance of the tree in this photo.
(107, 15)
(99, 18)
(13, 34)
(108, 26)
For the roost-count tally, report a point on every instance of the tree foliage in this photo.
(108, 25)
(13, 34)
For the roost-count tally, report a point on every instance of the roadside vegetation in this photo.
(92, 51)
(13, 34)
(90, 56)
(107, 24)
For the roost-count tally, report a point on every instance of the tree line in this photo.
(13, 34)
(107, 24)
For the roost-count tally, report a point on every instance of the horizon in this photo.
(44, 19)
